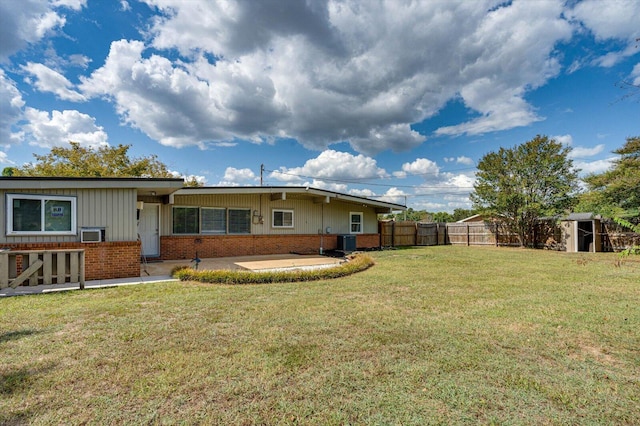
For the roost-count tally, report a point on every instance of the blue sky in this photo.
(392, 100)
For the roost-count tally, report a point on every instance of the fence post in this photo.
(495, 225)
(468, 236)
(393, 233)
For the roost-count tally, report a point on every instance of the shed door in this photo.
(148, 229)
(585, 236)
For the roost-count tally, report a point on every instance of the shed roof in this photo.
(582, 216)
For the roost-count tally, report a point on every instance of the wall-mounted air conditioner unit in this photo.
(91, 235)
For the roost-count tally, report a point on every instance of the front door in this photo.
(148, 229)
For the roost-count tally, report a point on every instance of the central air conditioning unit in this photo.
(91, 235)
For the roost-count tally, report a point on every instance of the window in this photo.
(282, 219)
(41, 214)
(210, 220)
(214, 220)
(356, 222)
(239, 221)
(186, 220)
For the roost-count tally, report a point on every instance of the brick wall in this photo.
(185, 247)
(117, 259)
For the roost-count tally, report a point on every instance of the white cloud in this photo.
(598, 166)
(582, 152)
(618, 19)
(125, 6)
(326, 72)
(421, 166)
(202, 180)
(566, 140)
(394, 195)
(4, 159)
(26, 21)
(11, 105)
(237, 177)
(460, 160)
(59, 127)
(635, 74)
(71, 4)
(332, 165)
(48, 80)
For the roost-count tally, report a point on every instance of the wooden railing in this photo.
(41, 267)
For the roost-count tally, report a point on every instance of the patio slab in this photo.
(251, 263)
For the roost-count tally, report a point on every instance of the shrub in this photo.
(354, 264)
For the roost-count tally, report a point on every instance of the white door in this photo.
(148, 228)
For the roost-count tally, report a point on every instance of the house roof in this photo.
(145, 186)
(284, 192)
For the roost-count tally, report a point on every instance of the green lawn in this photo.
(434, 335)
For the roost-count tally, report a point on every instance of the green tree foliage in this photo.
(525, 182)
(105, 161)
(410, 215)
(616, 191)
(8, 171)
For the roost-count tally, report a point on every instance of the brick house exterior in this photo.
(158, 218)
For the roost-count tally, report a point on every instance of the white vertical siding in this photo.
(309, 217)
(112, 209)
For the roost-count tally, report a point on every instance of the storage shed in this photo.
(582, 232)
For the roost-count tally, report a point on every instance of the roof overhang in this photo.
(144, 186)
(284, 192)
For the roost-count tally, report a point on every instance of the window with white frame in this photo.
(282, 218)
(356, 222)
(41, 214)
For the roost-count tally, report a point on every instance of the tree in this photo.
(617, 190)
(105, 161)
(8, 171)
(525, 182)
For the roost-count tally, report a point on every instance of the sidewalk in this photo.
(40, 289)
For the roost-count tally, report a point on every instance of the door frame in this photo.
(156, 235)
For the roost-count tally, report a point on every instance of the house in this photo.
(115, 221)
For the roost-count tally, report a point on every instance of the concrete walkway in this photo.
(161, 271)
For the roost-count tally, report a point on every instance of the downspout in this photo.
(321, 226)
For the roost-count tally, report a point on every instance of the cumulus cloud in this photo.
(28, 21)
(326, 72)
(331, 166)
(421, 166)
(11, 105)
(238, 177)
(59, 127)
(48, 80)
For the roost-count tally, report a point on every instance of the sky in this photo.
(394, 100)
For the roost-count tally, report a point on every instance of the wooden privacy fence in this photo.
(41, 267)
(408, 233)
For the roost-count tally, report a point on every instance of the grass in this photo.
(434, 335)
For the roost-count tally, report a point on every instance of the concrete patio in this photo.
(154, 272)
